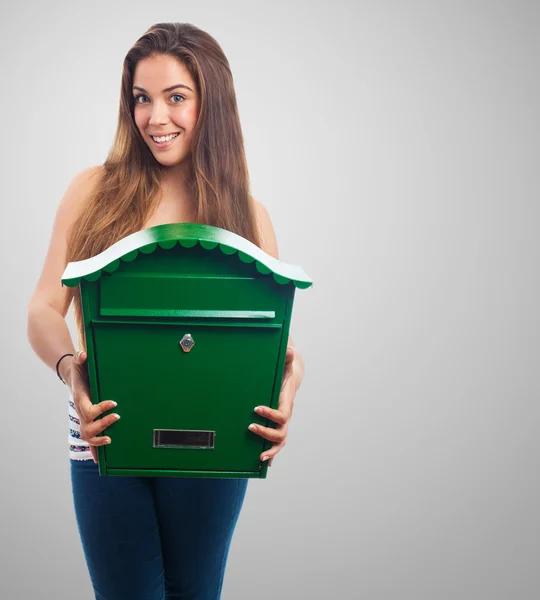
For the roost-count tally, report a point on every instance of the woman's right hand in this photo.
(77, 380)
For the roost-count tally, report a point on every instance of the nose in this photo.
(160, 114)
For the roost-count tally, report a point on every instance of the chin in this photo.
(170, 162)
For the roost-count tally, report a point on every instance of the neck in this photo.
(178, 174)
(175, 181)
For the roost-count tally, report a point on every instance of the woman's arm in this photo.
(297, 374)
(269, 245)
(47, 330)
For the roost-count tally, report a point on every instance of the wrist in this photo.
(64, 368)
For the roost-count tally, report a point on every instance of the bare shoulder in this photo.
(91, 175)
(266, 229)
(71, 205)
(79, 190)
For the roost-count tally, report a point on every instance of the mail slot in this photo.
(147, 294)
(186, 328)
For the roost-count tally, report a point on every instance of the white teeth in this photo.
(166, 138)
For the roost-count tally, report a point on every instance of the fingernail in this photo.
(116, 415)
(252, 427)
(114, 403)
(108, 441)
(265, 457)
(258, 409)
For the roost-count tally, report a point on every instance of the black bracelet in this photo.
(57, 371)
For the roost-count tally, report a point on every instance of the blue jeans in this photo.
(155, 538)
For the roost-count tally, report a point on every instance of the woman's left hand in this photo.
(281, 416)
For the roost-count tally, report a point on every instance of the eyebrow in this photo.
(169, 89)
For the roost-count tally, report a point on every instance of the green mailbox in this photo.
(186, 328)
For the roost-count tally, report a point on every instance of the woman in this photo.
(178, 156)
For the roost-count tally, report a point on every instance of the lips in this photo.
(167, 143)
(163, 134)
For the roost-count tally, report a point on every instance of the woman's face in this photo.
(166, 102)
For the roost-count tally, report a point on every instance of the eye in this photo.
(173, 96)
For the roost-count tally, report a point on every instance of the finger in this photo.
(80, 366)
(268, 433)
(90, 430)
(269, 454)
(80, 357)
(88, 411)
(99, 441)
(93, 411)
(278, 416)
(98, 426)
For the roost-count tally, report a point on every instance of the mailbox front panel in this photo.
(185, 392)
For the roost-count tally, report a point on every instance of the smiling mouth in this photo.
(163, 139)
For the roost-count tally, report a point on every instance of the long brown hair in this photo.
(130, 186)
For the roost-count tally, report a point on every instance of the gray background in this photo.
(395, 145)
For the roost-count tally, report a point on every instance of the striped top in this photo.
(78, 449)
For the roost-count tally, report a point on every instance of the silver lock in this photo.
(187, 343)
